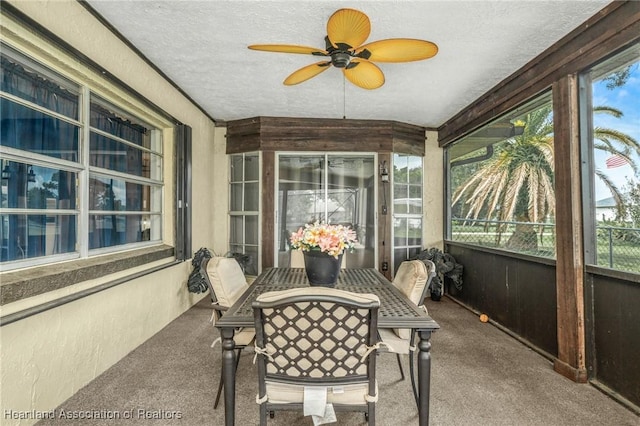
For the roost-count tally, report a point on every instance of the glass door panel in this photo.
(339, 189)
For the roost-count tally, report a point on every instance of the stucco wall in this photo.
(433, 196)
(47, 357)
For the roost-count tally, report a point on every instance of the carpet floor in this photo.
(480, 376)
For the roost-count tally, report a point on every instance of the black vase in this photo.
(321, 268)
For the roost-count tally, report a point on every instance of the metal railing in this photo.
(617, 247)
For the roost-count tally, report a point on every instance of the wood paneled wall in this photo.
(323, 134)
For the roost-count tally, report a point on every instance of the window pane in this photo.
(415, 169)
(415, 199)
(400, 164)
(251, 195)
(38, 85)
(399, 255)
(400, 199)
(112, 121)
(36, 187)
(29, 236)
(120, 157)
(113, 229)
(414, 232)
(235, 229)
(34, 131)
(251, 167)
(512, 155)
(236, 168)
(112, 194)
(235, 197)
(399, 231)
(251, 266)
(251, 230)
(615, 114)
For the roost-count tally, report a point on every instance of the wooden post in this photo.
(569, 237)
(384, 218)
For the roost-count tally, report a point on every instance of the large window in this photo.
(407, 207)
(501, 183)
(613, 111)
(244, 202)
(80, 176)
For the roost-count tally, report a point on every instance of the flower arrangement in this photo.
(324, 237)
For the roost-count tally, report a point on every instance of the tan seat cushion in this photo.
(227, 279)
(410, 279)
(279, 393)
(395, 343)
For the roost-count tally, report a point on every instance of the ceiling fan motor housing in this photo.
(340, 59)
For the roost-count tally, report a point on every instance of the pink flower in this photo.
(331, 239)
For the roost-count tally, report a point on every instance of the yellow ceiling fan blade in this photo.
(364, 74)
(348, 26)
(398, 50)
(289, 48)
(305, 73)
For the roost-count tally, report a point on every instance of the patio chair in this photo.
(318, 342)
(413, 279)
(226, 284)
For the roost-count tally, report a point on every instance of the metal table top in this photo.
(396, 310)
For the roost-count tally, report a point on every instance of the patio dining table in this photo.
(396, 311)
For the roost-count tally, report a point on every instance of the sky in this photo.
(626, 99)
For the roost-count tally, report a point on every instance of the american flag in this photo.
(616, 161)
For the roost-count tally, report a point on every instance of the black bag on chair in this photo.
(196, 282)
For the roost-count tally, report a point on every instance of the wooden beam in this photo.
(323, 134)
(569, 238)
(385, 221)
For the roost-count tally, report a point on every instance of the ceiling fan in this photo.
(347, 29)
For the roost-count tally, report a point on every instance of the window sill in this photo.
(21, 284)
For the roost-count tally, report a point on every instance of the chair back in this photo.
(225, 279)
(316, 336)
(413, 279)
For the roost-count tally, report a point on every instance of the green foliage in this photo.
(618, 78)
(631, 207)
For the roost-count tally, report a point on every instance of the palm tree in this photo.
(517, 183)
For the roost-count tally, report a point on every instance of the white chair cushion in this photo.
(244, 337)
(227, 279)
(395, 343)
(410, 279)
(274, 296)
(280, 393)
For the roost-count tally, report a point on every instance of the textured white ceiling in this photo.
(202, 47)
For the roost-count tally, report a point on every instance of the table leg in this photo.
(424, 375)
(229, 375)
